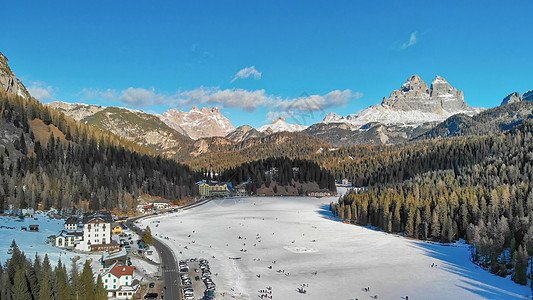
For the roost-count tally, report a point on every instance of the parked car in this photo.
(151, 296)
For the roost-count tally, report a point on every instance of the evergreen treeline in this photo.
(22, 279)
(287, 171)
(87, 168)
(223, 156)
(488, 202)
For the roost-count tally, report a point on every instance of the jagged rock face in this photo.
(242, 133)
(9, 82)
(198, 123)
(440, 99)
(413, 95)
(408, 112)
(528, 96)
(449, 98)
(78, 111)
(512, 98)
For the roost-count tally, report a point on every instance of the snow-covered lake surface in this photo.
(246, 236)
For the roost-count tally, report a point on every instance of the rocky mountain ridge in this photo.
(198, 123)
(517, 97)
(244, 132)
(9, 82)
(405, 114)
(411, 105)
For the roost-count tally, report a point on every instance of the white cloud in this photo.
(252, 100)
(274, 115)
(247, 72)
(139, 97)
(311, 103)
(412, 40)
(90, 93)
(41, 91)
(229, 98)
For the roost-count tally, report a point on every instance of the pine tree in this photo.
(62, 287)
(45, 291)
(147, 237)
(21, 289)
(87, 287)
(101, 292)
(75, 282)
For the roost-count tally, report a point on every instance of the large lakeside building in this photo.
(92, 231)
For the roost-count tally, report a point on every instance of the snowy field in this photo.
(35, 242)
(302, 237)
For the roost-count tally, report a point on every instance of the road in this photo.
(170, 271)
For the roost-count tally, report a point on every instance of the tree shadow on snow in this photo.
(473, 278)
(325, 213)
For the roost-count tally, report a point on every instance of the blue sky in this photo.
(254, 59)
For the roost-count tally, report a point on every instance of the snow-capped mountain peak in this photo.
(413, 104)
(280, 124)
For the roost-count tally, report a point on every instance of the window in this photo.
(106, 281)
(108, 275)
(114, 280)
(105, 287)
(114, 287)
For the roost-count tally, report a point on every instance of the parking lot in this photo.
(196, 279)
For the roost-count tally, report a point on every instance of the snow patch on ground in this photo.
(36, 242)
(259, 242)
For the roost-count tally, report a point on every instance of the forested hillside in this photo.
(491, 121)
(483, 196)
(281, 171)
(52, 159)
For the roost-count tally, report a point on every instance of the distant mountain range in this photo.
(414, 111)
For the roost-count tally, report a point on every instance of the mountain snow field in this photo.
(289, 242)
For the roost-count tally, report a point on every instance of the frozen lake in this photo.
(302, 237)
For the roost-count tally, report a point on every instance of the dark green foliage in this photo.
(100, 292)
(147, 237)
(37, 280)
(97, 170)
(486, 199)
(282, 170)
(21, 290)
(87, 286)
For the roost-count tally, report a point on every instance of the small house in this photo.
(34, 228)
(110, 257)
(119, 283)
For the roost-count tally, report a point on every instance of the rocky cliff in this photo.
(198, 123)
(517, 97)
(8, 81)
(512, 98)
(406, 113)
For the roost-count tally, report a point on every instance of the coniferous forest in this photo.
(24, 279)
(79, 166)
(485, 197)
(286, 171)
(58, 162)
